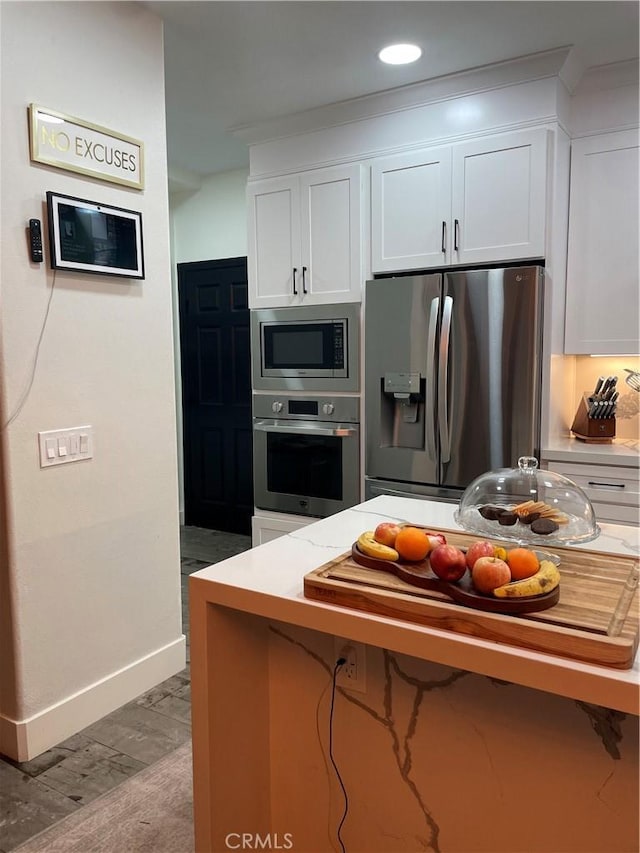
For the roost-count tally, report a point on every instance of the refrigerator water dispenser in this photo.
(402, 410)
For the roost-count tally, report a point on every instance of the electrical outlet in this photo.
(353, 674)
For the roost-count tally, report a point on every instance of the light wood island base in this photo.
(458, 744)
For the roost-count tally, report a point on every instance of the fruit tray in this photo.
(462, 591)
(595, 619)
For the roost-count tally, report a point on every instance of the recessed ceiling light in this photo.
(400, 54)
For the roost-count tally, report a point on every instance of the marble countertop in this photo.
(267, 581)
(622, 451)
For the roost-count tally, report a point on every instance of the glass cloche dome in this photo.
(527, 505)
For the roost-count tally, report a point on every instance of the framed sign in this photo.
(85, 236)
(75, 145)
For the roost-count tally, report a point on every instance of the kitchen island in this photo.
(457, 744)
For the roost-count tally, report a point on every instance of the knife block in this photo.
(592, 430)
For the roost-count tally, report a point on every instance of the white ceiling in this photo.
(236, 63)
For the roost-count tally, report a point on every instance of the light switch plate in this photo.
(68, 445)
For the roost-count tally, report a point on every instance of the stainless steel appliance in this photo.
(452, 378)
(306, 348)
(306, 453)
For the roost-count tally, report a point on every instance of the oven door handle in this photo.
(312, 429)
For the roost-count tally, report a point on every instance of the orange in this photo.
(412, 543)
(523, 563)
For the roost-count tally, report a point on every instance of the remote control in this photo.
(35, 241)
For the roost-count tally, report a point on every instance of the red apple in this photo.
(386, 533)
(448, 562)
(478, 549)
(488, 573)
(436, 539)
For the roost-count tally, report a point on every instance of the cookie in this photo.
(530, 517)
(491, 513)
(544, 526)
(507, 518)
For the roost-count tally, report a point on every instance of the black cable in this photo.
(340, 662)
(27, 389)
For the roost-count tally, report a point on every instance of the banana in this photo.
(368, 545)
(545, 579)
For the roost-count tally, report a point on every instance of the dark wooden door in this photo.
(216, 394)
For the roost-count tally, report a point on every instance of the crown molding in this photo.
(600, 78)
(510, 72)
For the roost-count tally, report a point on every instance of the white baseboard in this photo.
(23, 740)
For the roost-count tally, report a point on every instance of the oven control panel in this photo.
(308, 408)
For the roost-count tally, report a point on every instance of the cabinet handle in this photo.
(295, 270)
(608, 485)
(456, 235)
(304, 286)
(444, 236)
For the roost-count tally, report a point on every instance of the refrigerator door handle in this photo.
(430, 397)
(443, 380)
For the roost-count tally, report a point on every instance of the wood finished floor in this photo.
(38, 793)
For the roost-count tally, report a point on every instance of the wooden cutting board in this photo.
(595, 619)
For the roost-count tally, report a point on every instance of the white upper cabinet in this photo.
(411, 210)
(305, 238)
(499, 198)
(274, 241)
(602, 305)
(471, 202)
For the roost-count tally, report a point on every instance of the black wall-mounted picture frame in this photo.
(87, 236)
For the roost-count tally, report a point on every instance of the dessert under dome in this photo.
(528, 505)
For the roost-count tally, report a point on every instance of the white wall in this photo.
(212, 222)
(91, 566)
(207, 224)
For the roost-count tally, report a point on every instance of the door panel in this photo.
(603, 214)
(400, 349)
(493, 397)
(216, 394)
(499, 193)
(411, 199)
(273, 211)
(331, 234)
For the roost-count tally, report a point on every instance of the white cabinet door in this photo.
(411, 210)
(266, 527)
(480, 201)
(602, 305)
(273, 214)
(305, 238)
(499, 197)
(331, 235)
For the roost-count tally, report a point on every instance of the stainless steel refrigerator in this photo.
(452, 378)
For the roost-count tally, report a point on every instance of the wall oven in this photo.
(306, 348)
(306, 456)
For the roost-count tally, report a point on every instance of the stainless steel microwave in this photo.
(306, 348)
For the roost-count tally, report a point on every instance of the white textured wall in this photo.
(92, 556)
(212, 222)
